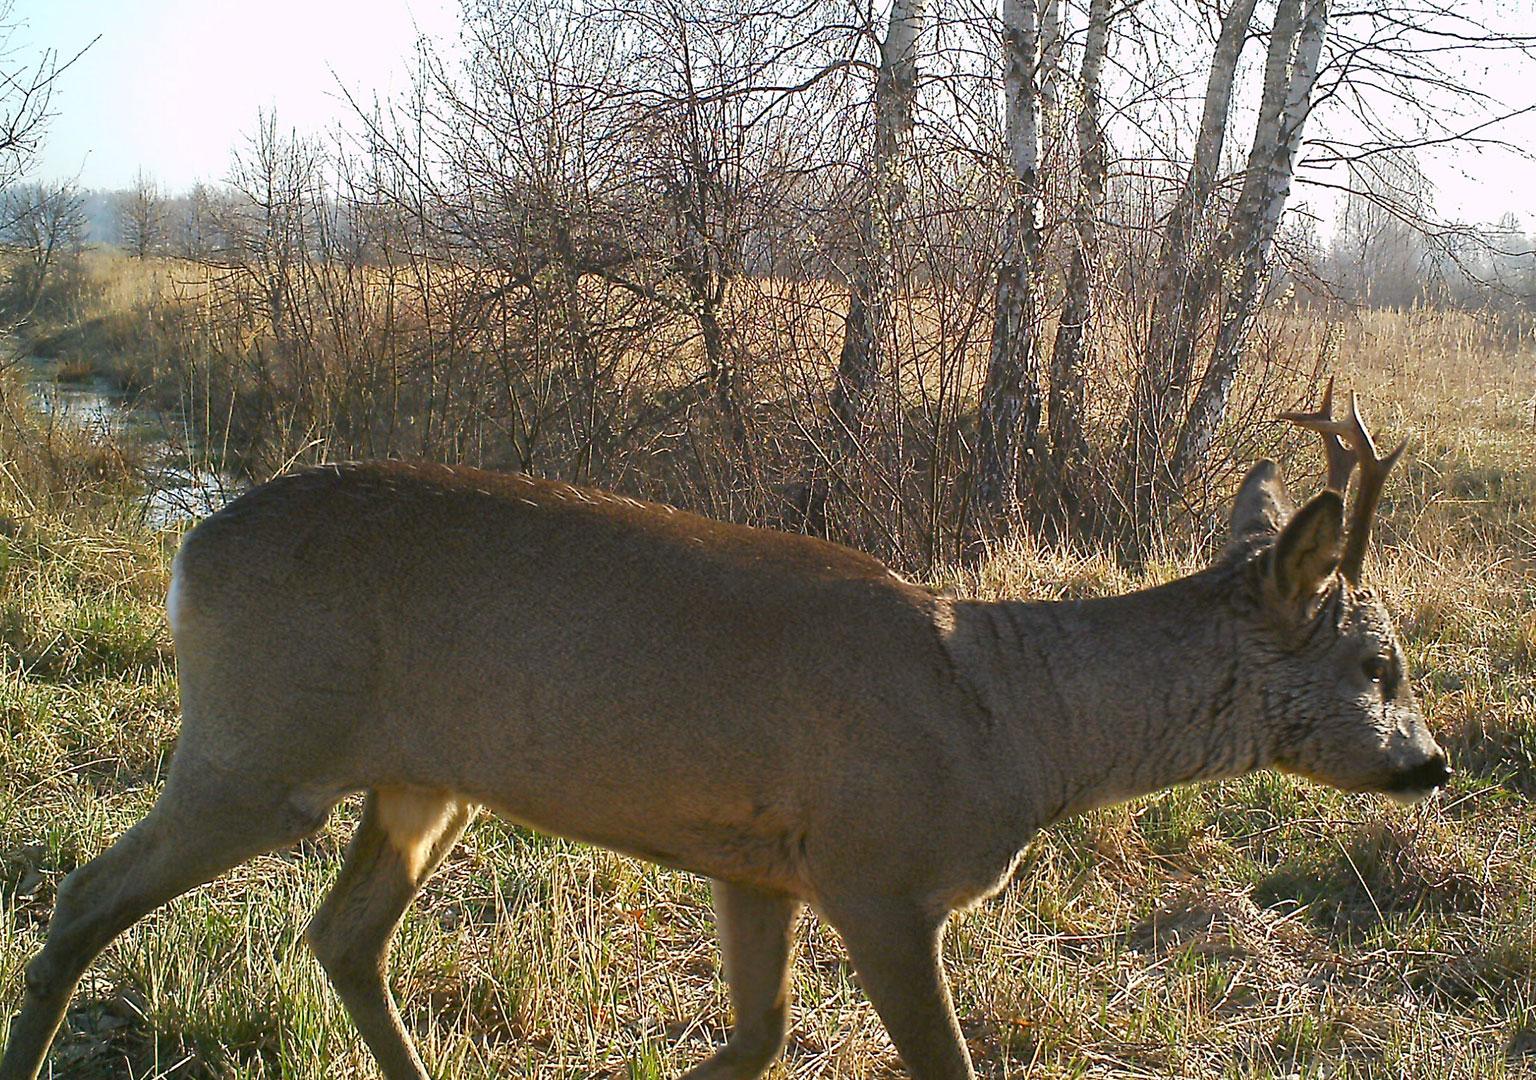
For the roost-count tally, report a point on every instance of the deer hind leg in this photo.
(203, 823)
(757, 934)
(404, 835)
(895, 949)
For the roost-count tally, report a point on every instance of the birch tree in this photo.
(1053, 45)
(1011, 398)
(867, 330)
(1184, 276)
(1290, 76)
(141, 217)
(1067, 377)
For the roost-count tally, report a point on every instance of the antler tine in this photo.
(1341, 459)
(1373, 474)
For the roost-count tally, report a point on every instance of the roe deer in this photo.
(781, 714)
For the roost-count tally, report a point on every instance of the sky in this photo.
(174, 86)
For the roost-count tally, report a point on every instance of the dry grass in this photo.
(1264, 927)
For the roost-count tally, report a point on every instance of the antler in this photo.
(1341, 459)
(1373, 471)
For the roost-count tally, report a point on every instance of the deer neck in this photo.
(1099, 701)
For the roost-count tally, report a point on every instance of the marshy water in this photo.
(181, 482)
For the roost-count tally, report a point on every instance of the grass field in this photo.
(1262, 927)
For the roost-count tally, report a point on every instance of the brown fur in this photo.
(781, 714)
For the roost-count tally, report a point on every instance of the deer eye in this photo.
(1378, 669)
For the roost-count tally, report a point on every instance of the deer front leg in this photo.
(895, 946)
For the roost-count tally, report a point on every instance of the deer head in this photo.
(1333, 688)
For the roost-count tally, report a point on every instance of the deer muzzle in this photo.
(1418, 781)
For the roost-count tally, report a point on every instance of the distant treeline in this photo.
(1373, 256)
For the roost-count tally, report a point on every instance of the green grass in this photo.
(1265, 927)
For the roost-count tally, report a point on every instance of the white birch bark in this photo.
(1216, 109)
(872, 284)
(1279, 66)
(1272, 167)
(1179, 255)
(1183, 282)
(1011, 398)
(1065, 400)
(1053, 44)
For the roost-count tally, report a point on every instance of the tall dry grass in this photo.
(320, 358)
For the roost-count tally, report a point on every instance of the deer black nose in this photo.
(1433, 772)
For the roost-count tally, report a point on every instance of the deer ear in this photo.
(1262, 503)
(1308, 551)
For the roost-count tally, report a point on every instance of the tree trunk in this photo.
(1011, 399)
(867, 330)
(1053, 43)
(1271, 167)
(721, 371)
(1065, 401)
(1186, 276)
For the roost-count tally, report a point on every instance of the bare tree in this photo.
(690, 139)
(1069, 357)
(1380, 252)
(26, 97)
(1185, 275)
(1295, 49)
(867, 331)
(42, 222)
(1011, 398)
(194, 226)
(267, 226)
(141, 217)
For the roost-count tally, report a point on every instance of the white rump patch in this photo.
(174, 597)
